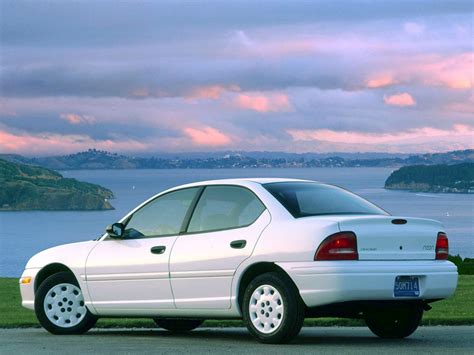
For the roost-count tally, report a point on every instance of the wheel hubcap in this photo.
(266, 309)
(64, 305)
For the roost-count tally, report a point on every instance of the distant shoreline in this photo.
(434, 191)
(239, 168)
(100, 160)
(455, 179)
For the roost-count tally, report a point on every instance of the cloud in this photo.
(380, 81)
(207, 136)
(153, 74)
(48, 143)
(454, 72)
(160, 122)
(457, 131)
(227, 67)
(76, 119)
(84, 24)
(211, 92)
(263, 102)
(403, 99)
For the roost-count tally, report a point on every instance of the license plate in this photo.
(406, 286)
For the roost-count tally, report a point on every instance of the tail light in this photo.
(339, 246)
(442, 246)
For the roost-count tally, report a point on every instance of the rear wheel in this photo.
(396, 322)
(178, 325)
(60, 307)
(272, 309)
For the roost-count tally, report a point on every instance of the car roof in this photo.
(241, 181)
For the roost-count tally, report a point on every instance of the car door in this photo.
(132, 273)
(223, 230)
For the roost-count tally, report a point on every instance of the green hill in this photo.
(457, 178)
(26, 187)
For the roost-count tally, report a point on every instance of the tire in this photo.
(272, 309)
(59, 306)
(177, 325)
(395, 322)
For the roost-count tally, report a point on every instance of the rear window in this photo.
(303, 199)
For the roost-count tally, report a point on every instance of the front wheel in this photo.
(272, 309)
(395, 322)
(176, 325)
(59, 306)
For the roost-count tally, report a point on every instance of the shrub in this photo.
(465, 267)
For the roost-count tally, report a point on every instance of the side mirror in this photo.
(115, 230)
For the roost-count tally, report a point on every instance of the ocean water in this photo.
(22, 234)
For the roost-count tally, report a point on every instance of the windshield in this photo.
(304, 199)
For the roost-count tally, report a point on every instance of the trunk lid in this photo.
(393, 238)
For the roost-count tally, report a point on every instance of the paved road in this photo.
(459, 340)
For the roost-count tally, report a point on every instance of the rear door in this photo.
(222, 232)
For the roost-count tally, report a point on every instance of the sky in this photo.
(181, 76)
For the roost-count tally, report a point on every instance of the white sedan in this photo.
(270, 251)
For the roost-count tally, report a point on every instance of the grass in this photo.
(457, 310)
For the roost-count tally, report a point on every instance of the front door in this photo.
(131, 273)
(222, 233)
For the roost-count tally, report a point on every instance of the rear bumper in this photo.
(325, 282)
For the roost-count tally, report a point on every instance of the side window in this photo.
(225, 207)
(162, 216)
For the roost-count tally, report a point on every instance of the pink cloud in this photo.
(380, 81)
(351, 137)
(263, 103)
(403, 99)
(207, 136)
(454, 72)
(76, 119)
(59, 144)
(212, 92)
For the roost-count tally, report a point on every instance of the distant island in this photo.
(26, 187)
(96, 159)
(457, 178)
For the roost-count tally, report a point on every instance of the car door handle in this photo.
(158, 250)
(238, 244)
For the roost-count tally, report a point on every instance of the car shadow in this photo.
(338, 340)
(241, 335)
